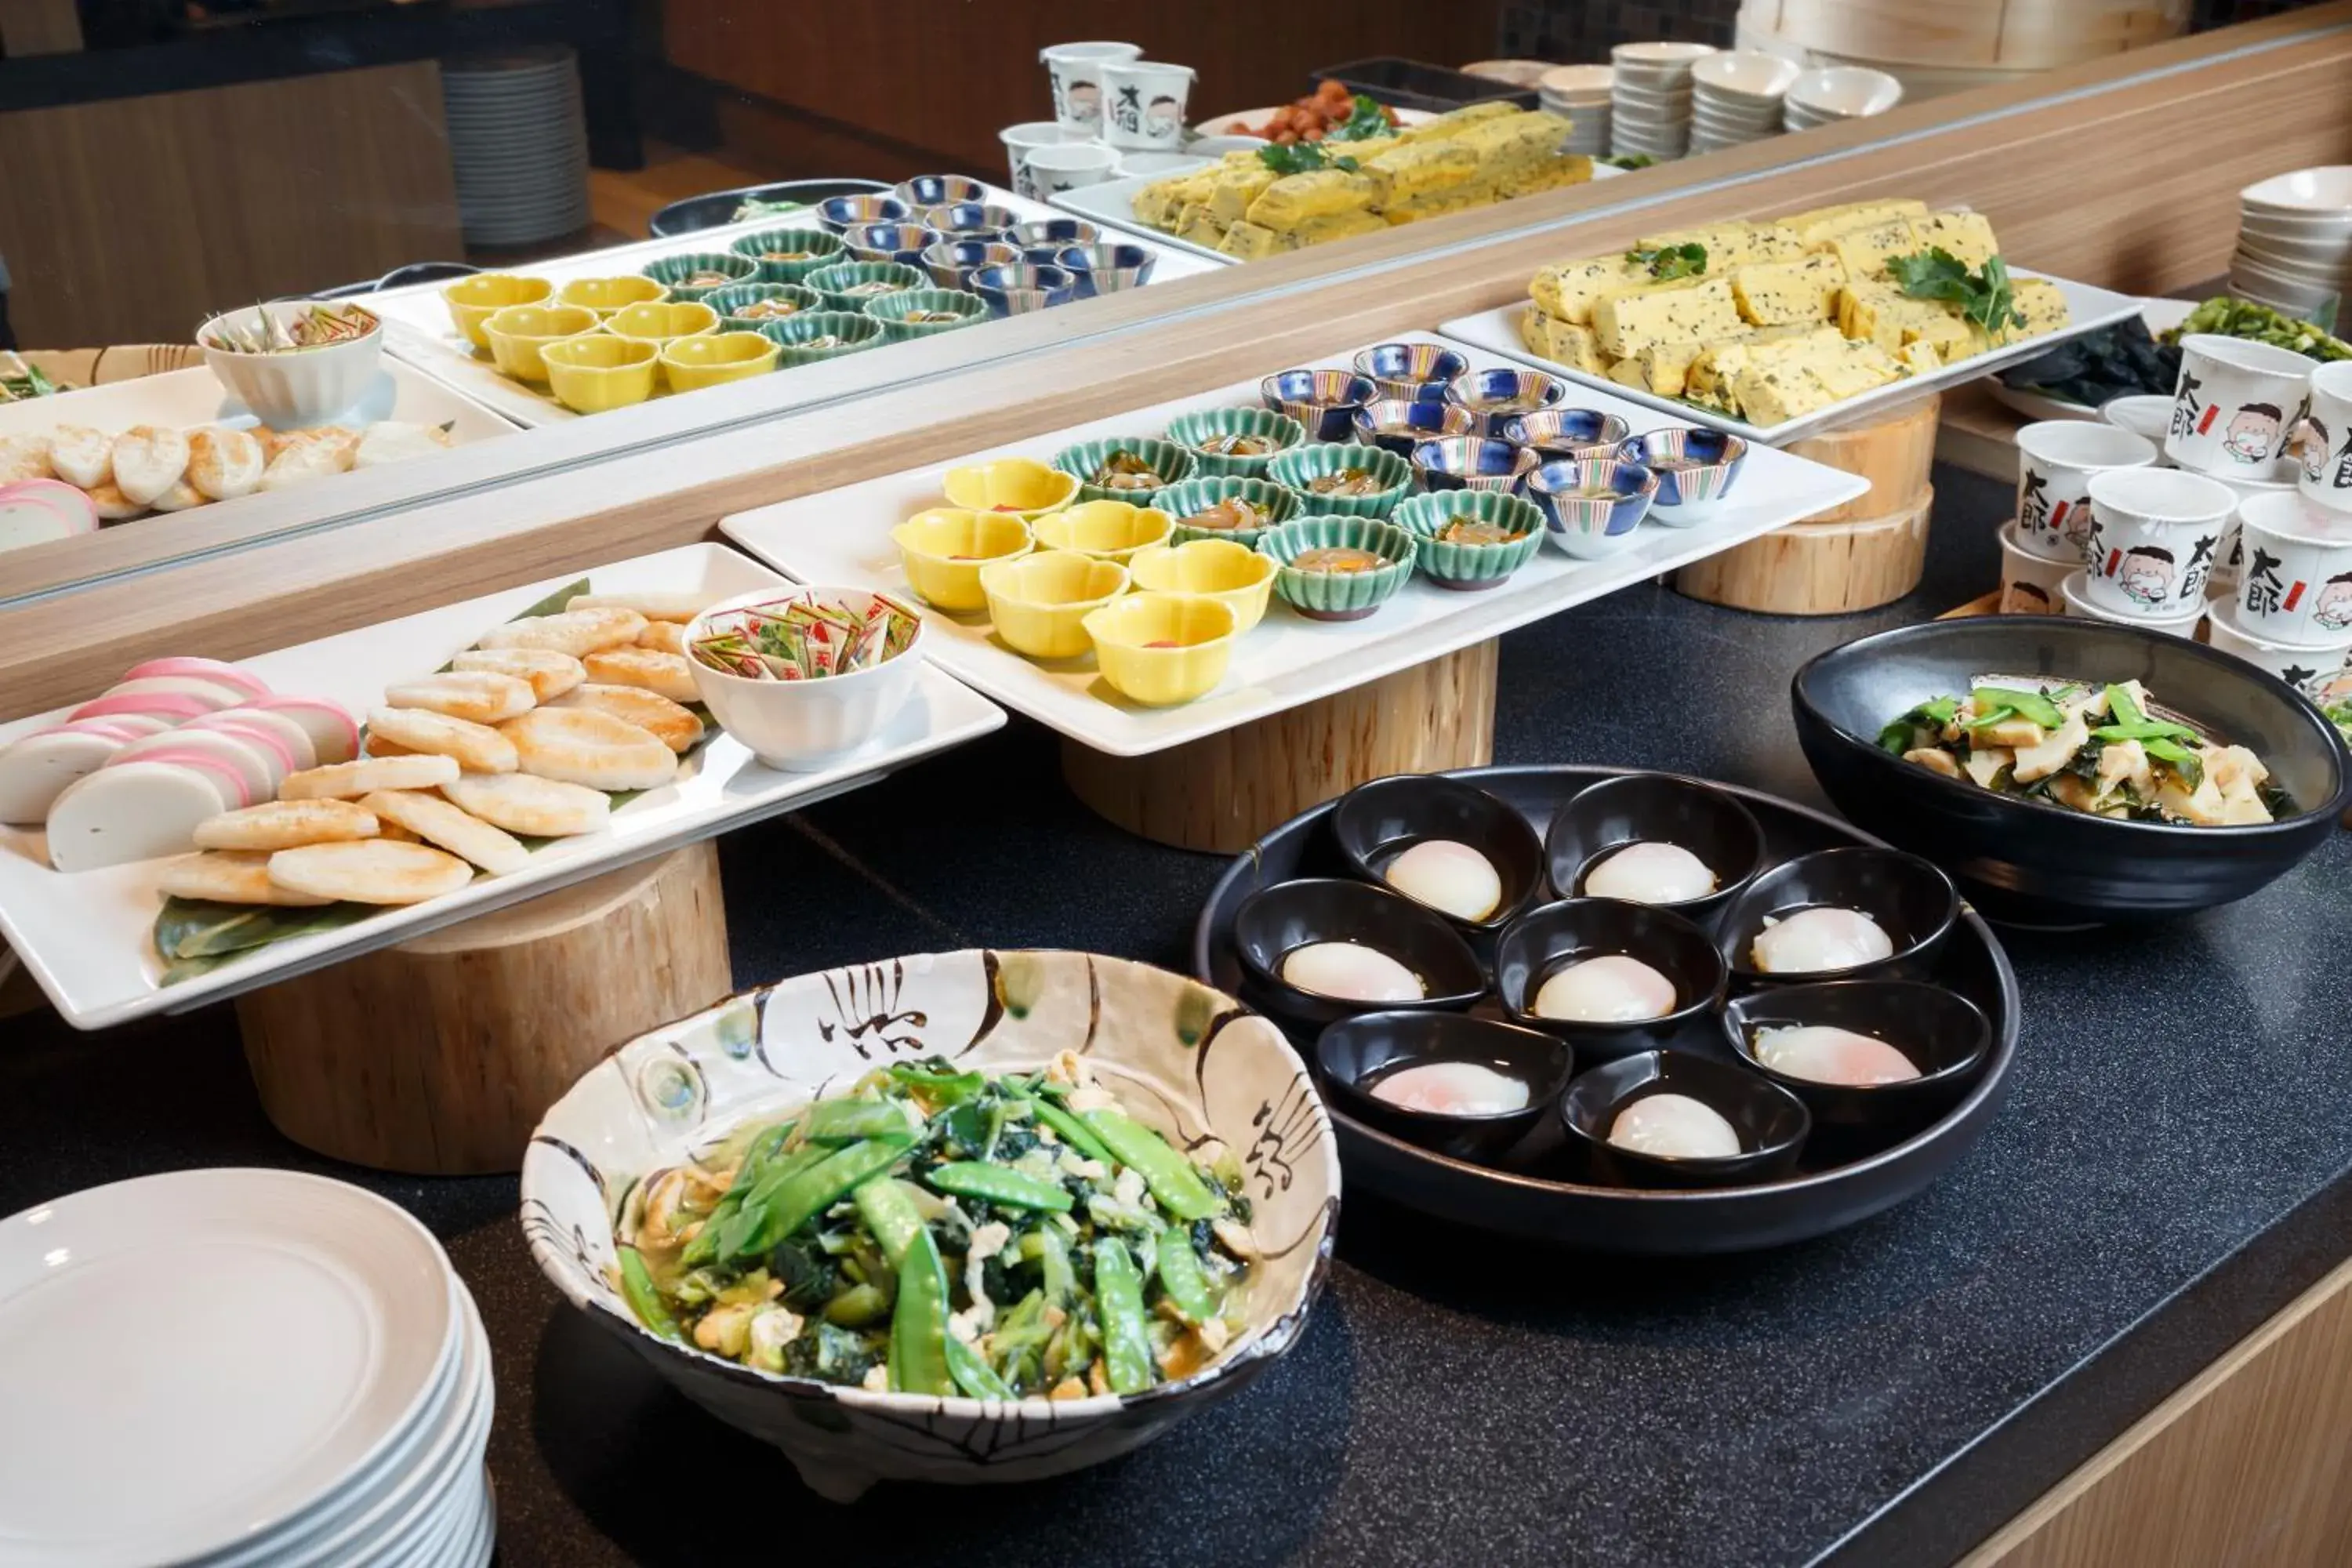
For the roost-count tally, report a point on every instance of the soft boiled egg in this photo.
(1351, 972)
(1818, 938)
(1453, 1088)
(1447, 876)
(1675, 1127)
(1612, 989)
(1651, 874)
(1823, 1054)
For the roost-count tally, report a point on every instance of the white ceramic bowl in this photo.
(1656, 64)
(1748, 73)
(2320, 228)
(1844, 91)
(803, 725)
(301, 387)
(1193, 1061)
(2325, 190)
(2292, 251)
(1578, 84)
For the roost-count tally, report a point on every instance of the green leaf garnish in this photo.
(1302, 158)
(1984, 296)
(1672, 261)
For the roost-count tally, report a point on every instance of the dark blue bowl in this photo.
(1590, 527)
(1053, 231)
(901, 242)
(939, 190)
(1481, 390)
(1470, 463)
(1107, 269)
(1324, 401)
(1414, 373)
(951, 262)
(1015, 290)
(967, 220)
(1567, 432)
(1695, 469)
(1401, 425)
(837, 213)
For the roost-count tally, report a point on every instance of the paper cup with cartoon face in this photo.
(2316, 670)
(2154, 532)
(1022, 140)
(2055, 460)
(1075, 71)
(1070, 165)
(1143, 104)
(2234, 405)
(2296, 584)
(2029, 581)
(2075, 590)
(2324, 474)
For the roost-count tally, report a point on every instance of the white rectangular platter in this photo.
(86, 937)
(842, 538)
(2088, 308)
(417, 326)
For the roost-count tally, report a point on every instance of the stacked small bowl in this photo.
(1581, 95)
(1650, 98)
(2294, 241)
(1838, 93)
(236, 1368)
(518, 145)
(1738, 97)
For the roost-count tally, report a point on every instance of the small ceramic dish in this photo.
(1396, 425)
(694, 274)
(663, 322)
(1275, 922)
(1567, 432)
(745, 307)
(1695, 469)
(1324, 402)
(1943, 1035)
(1496, 397)
(850, 285)
(939, 190)
(815, 335)
(689, 364)
(1536, 948)
(1162, 650)
(1375, 823)
(1278, 433)
(596, 372)
(944, 550)
(474, 300)
(606, 295)
(317, 384)
(1039, 602)
(1053, 233)
(1661, 809)
(951, 262)
(1355, 1055)
(1106, 268)
(1307, 547)
(1590, 506)
(1302, 468)
(803, 725)
(1019, 487)
(1772, 1124)
(1410, 372)
(1470, 463)
(1106, 530)
(1161, 463)
(1022, 287)
(837, 213)
(925, 312)
(967, 220)
(1204, 507)
(1498, 534)
(903, 243)
(1910, 901)
(1240, 578)
(517, 334)
(788, 255)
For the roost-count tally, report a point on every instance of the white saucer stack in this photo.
(240, 1369)
(1650, 98)
(1738, 97)
(1581, 93)
(517, 145)
(2294, 241)
(1839, 92)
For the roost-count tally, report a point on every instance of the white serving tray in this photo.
(418, 329)
(2090, 308)
(843, 538)
(86, 936)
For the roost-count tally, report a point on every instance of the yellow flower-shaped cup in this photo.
(474, 300)
(596, 372)
(710, 358)
(608, 296)
(944, 550)
(517, 332)
(1111, 529)
(1160, 650)
(1233, 574)
(1026, 489)
(662, 322)
(1039, 602)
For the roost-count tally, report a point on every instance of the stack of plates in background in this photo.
(1737, 97)
(1520, 74)
(1650, 98)
(1838, 92)
(1581, 95)
(2294, 241)
(518, 145)
(240, 1369)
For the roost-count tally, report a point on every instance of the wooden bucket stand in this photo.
(439, 1056)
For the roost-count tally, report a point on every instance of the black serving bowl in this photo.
(1913, 903)
(2032, 864)
(1269, 924)
(1542, 941)
(1945, 1034)
(1656, 808)
(1374, 824)
(1354, 1053)
(1771, 1122)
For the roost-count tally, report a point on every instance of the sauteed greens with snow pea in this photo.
(944, 1232)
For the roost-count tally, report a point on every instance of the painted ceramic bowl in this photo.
(1024, 286)
(1470, 463)
(1052, 233)
(1125, 468)
(1496, 397)
(1339, 568)
(1022, 487)
(1234, 574)
(1323, 401)
(1567, 432)
(1457, 533)
(816, 335)
(839, 213)
(788, 255)
(1343, 481)
(851, 285)
(901, 242)
(1695, 469)
(697, 273)
(939, 190)
(1591, 505)
(967, 220)
(1218, 507)
(1397, 425)
(1266, 433)
(1411, 372)
(743, 307)
(925, 312)
(1191, 1060)
(1107, 269)
(951, 262)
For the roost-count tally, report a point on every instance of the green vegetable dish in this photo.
(2100, 750)
(937, 1232)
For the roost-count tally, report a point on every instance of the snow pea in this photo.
(1171, 1179)
(890, 1215)
(1126, 1342)
(1069, 1129)
(919, 1328)
(728, 1232)
(998, 1185)
(848, 1121)
(857, 1307)
(1181, 1277)
(1054, 1259)
(637, 1289)
(939, 1088)
(973, 1376)
(806, 1194)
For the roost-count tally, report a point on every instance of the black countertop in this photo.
(2170, 1171)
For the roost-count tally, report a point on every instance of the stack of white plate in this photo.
(1736, 96)
(1838, 92)
(1650, 98)
(518, 145)
(240, 1369)
(2294, 241)
(1581, 95)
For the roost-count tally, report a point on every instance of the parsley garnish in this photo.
(1671, 261)
(1984, 297)
(1302, 158)
(1368, 121)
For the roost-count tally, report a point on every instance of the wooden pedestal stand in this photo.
(1223, 793)
(1857, 556)
(439, 1056)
